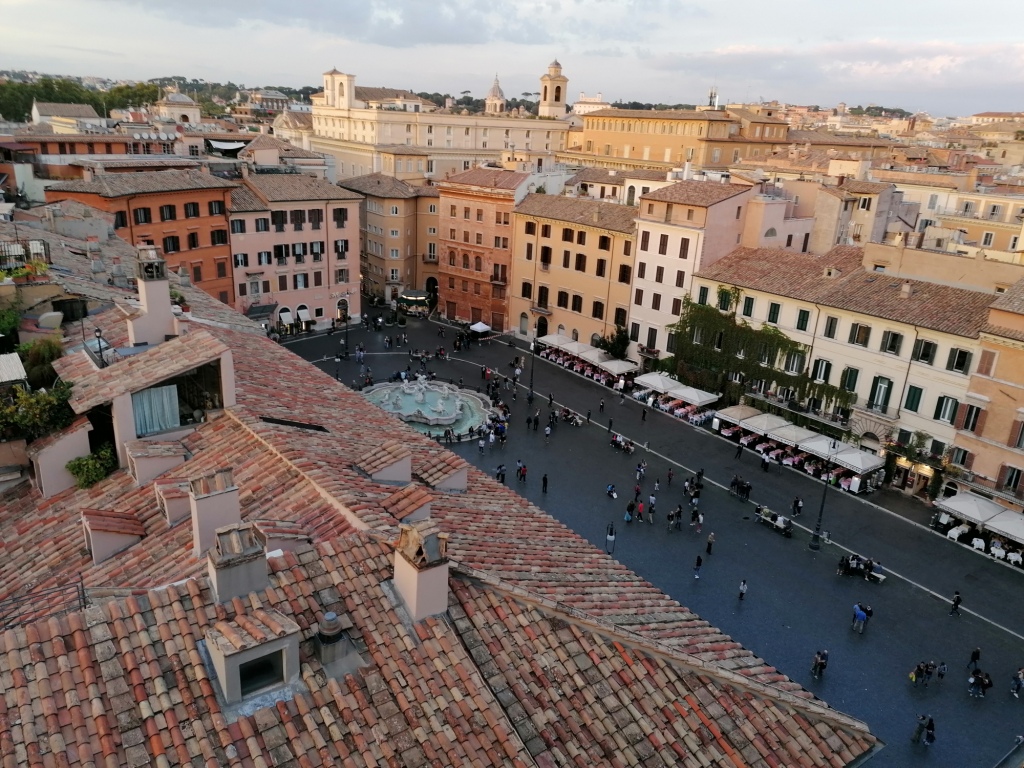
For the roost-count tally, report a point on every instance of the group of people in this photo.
(740, 487)
(855, 565)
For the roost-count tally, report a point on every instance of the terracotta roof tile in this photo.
(295, 187)
(697, 193)
(38, 446)
(404, 502)
(112, 521)
(124, 184)
(244, 200)
(384, 455)
(283, 148)
(573, 210)
(379, 185)
(866, 187)
(496, 178)
(435, 469)
(1012, 299)
(53, 109)
(248, 630)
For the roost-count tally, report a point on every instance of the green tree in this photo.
(38, 359)
(615, 343)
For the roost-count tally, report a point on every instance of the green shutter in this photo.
(938, 407)
(888, 393)
(874, 391)
(853, 332)
(917, 349)
(951, 360)
(885, 341)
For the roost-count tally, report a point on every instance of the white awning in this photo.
(692, 395)
(857, 460)
(973, 508)
(11, 369)
(659, 382)
(618, 367)
(577, 348)
(285, 316)
(791, 434)
(304, 315)
(736, 413)
(554, 340)
(763, 423)
(595, 356)
(1007, 523)
(227, 146)
(480, 327)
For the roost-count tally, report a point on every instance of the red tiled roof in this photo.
(496, 178)
(435, 469)
(574, 210)
(112, 521)
(124, 184)
(702, 194)
(404, 502)
(383, 456)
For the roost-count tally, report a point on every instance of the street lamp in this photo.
(348, 319)
(99, 347)
(815, 543)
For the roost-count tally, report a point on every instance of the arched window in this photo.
(595, 339)
(545, 96)
(631, 195)
(478, 264)
(771, 232)
(558, 93)
(575, 335)
(343, 310)
(465, 261)
(524, 323)
(561, 330)
(341, 92)
(451, 258)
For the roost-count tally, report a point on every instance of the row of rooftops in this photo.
(327, 470)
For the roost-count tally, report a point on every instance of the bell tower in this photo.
(553, 89)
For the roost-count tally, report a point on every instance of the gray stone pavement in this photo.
(796, 603)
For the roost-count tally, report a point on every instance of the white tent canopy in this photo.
(576, 348)
(791, 434)
(858, 461)
(554, 340)
(971, 507)
(480, 327)
(1007, 523)
(595, 355)
(692, 396)
(736, 413)
(618, 366)
(763, 423)
(823, 446)
(659, 382)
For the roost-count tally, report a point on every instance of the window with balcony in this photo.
(652, 338)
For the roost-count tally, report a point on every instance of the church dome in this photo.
(555, 64)
(495, 92)
(178, 98)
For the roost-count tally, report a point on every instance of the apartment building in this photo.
(293, 241)
(904, 348)
(398, 235)
(855, 212)
(183, 213)
(985, 219)
(358, 125)
(475, 239)
(572, 265)
(681, 228)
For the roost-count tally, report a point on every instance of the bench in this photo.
(879, 577)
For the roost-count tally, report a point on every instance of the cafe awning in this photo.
(556, 340)
(791, 434)
(858, 461)
(734, 414)
(763, 423)
(577, 348)
(304, 315)
(259, 312)
(286, 317)
(618, 367)
(1007, 523)
(972, 507)
(692, 395)
(659, 382)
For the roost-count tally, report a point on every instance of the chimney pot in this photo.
(237, 562)
(214, 503)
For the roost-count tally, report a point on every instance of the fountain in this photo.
(427, 405)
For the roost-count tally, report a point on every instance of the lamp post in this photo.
(815, 543)
(348, 319)
(533, 361)
(99, 347)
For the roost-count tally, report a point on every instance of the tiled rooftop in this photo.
(53, 109)
(866, 187)
(1012, 299)
(574, 210)
(958, 311)
(822, 137)
(379, 185)
(660, 114)
(123, 184)
(609, 176)
(496, 178)
(244, 200)
(283, 148)
(295, 187)
(697, 193)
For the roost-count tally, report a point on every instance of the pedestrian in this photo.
(798, 506)
(643, 415)
(696, 567)
(711, 542)
(700, 521)
(630, 509)
(522, 474)
(544, 484)
(651, 499)
(640, 512)
(551, 400)
(693, 517)
(739, 450)
(547, 434)
(955, 606)
(859, 617)
(700, 477)
(743, 589)
(940, 671)
(929, 732)
(657, 484)
(480, 444)
(671, 519)
(536, 421)
(975, 658)
(609, 425)
(679, 517)
(929, 670)
(816, 665)
(622, 398)
(1017, 682)
(636, 492)
(917, 674)
(588, 416)
(922, 722)
(600, 406)
(671, 474)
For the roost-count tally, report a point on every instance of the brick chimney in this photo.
(421, 569)
(155, 322)
(213, 500)
(237, 562)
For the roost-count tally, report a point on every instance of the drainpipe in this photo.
(906, 375)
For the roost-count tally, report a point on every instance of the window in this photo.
(479, 214)
(604, 243)
(634, 331)
(581, 238)
(987, 238)
(216, 207)
(659, 275)
(684, 248)
(773, 312)
(394, 233)
(959, 360)
(567, 235)
(860, 334)
(924, 351)
(624, 273)
(172, 244)
(803, 317)
(478, 264)
(453, 212)
(193, 240)
(945, 409)
(645, 240)
(299, 252)
(479, 238)
(748, 304)
(238, 226)
(620, 316)
(627, 247)
(340, 217)
(831, 326)
(577, 303)
(913, 401)
(663, 245)
(316, 217)
(789, 241)
(702, 295)
(197, 273)
(724, 300)
(142, 216)
(972, 420)
(581, 262)
(641, 270)
(848, 380)
(317, 249)
(241, 260)
(341, 248)
(282, 282)
(120, 220)
(222, 268)
(393, 275)
(263, 259)
(394, 210)
(597, 311)
(652, 338)
(565, 259)
(169, 212)
(638, 297)
(562, 299)
(601, 267)
(531, 228)
(865, 204)
(960, 456)
(527, 290)
(545, 230)
(881, 390)
(891, 342)
(281, 253)
(656, 301)
(821, 370)
(794, 362)
(191, 210)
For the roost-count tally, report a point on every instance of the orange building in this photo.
(183, 213)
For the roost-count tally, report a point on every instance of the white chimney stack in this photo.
(421, 569)
(237, 562)
(155, 322)
(214, 504)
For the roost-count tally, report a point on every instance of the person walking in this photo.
(657, 485)
(643, 415)
(975, 658)
(954, 607)
(739, 450)
(600, 406)
(671, 519)
(679, 517)
(940, 671)
(1017, 682)
(743, 589)
(922, 722)
(547, 434)
(798, 506)
(859, 617)
(929, 732)
(696, 567)
(700, 521)
(671, 474)
(711, 542)
(588, 416)
(522, 474)
(544, 483)
(501, 474)
(929, 670)
(640, 512)
(480, 445)
(819, 664)
(609, 425)
(630, 509)
(536, 421)
(551, 400)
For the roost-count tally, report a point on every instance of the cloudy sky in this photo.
(938, 56)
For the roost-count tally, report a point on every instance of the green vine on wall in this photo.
(712, 344)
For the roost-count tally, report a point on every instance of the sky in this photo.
(940, 57)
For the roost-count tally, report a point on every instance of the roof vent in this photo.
(444, 472)
(147, 460)
(108, 532)
(906, 290)
(253, 652)
(172, 497)
(411, 504)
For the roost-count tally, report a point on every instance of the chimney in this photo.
(421, 569)
(597, 216)
(183, 278)
(906, 290)
(331, 642)
(117, 275)
(213, 500)
(237, 562)
(687, 170)
(155, 322)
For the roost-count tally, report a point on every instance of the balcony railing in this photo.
(545, 266)
(18, 253)
(1003, 216)
(499, 280)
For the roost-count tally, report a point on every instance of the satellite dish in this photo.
(163, 136)
(136, 135)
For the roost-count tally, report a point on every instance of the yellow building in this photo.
(572, 266)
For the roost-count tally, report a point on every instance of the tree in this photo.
(38, 358)
(615, 343)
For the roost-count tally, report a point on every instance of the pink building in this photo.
(291, 236)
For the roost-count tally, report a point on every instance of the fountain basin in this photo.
(428, 405)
